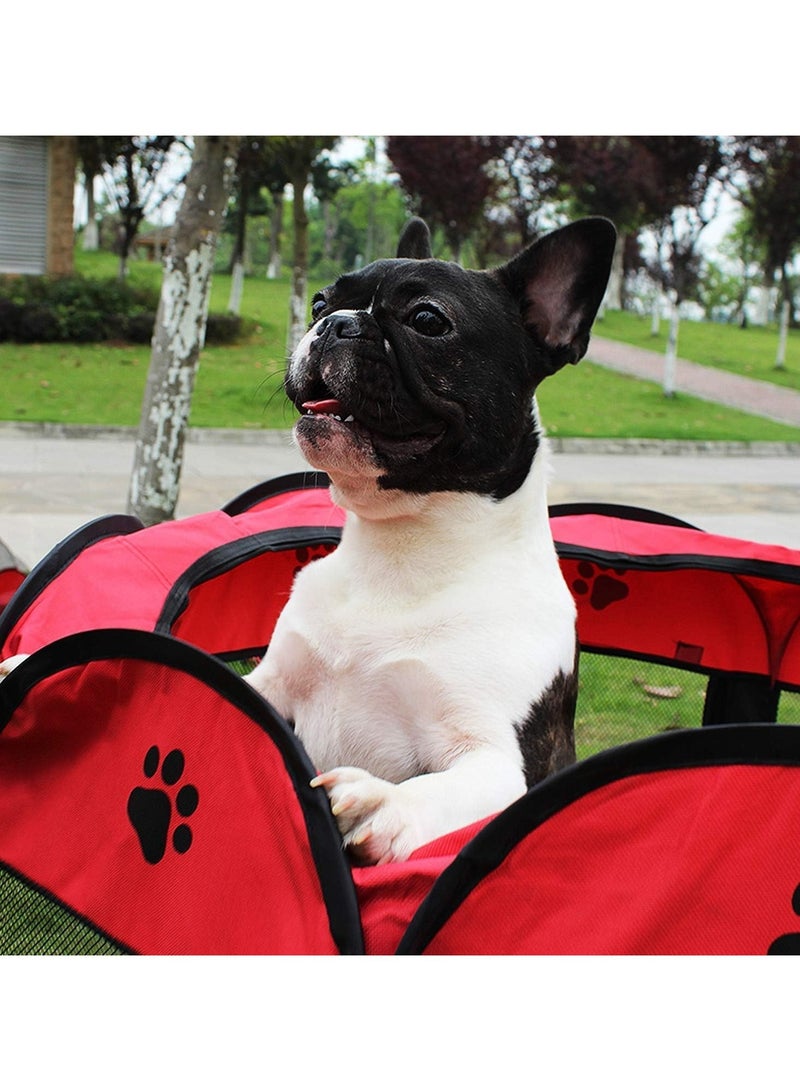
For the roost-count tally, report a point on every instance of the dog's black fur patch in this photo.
(414, 355)
(547, 735)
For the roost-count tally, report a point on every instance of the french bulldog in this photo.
(429, 663)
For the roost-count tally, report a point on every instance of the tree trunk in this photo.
(613, 299)
(237, 286)
(780, 356)
(298, 297)
(91, 233)
(179, 334)
(240, 237)
(671, 354)
(275, 231)
(655, 314)
(328, 230)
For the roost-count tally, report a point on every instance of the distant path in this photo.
(712, 384)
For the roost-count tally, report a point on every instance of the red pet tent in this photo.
(152, 802)
(12, 575)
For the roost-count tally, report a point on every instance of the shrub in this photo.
(223, 329)
(9, 319)
(36, 323)
(83, 309)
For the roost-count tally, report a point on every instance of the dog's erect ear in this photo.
(415, 240)
(559, 282)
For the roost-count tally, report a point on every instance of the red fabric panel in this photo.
(77, 762)
(701, 861)
(644, 539)
(123, 581)
(390, 894)
(118, 582)
(681, 609)
(310, 507)
(238, 609)
(10, 579)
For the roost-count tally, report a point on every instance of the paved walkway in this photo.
(778, 403)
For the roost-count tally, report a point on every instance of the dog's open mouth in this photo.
(388, 439)
(329, 407)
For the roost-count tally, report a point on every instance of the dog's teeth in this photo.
(349, 420)
(336, 418)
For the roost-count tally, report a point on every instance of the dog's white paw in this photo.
(369, 814)
(7, 666)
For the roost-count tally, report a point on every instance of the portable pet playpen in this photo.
(12, 574)
(152, 802)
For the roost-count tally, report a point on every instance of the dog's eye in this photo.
(429, 322)
(318, 305)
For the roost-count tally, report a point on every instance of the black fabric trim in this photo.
(735, 744)
(620, 511)
(672, 562)
(229, 555)
(276, 486)
(98, 645)
(661, 660)
(43, 892)
(58, 559)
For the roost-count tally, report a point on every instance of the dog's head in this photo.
(419, 375)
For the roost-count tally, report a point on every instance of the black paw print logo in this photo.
(790, 943)
(150, 809)
(603, 589)
(306, 554)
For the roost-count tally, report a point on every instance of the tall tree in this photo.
(327, 181)
(138, 181)
(179, 332)
(613, 176)
(253, 173)
(766, 181)
(448, 179)
(296, 155)
(526, 181)
(688, 172)
(94, 153)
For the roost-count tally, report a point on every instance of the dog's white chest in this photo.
(401, 674)
(365, 681)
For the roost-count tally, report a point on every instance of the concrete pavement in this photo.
(52, 480)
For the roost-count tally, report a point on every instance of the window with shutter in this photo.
(23, 204)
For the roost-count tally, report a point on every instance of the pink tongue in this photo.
(329, 405)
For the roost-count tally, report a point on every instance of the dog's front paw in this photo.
(369, 814)
(7, 665)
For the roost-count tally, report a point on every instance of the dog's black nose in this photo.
(343, 324)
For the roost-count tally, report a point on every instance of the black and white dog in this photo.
(429, 663)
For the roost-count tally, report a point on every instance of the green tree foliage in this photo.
(686, 173)
(136, 175)
(767, 183)
(296, 155)
(260, 173)
(356, 222)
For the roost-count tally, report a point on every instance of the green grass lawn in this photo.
(239, 386)
(621, 700)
